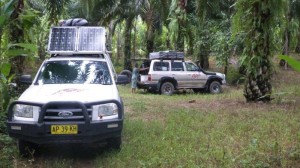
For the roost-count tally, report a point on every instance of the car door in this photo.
(177, 72)
(195, 78)
(160, 69)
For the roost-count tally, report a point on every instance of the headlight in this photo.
(25, 111)
(104, 110)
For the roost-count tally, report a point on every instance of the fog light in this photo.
(112, 125)
(16, 128)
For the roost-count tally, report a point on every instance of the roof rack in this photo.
(76, 40)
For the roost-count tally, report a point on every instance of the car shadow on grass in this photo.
(68, 155)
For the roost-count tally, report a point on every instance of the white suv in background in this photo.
(167, 75)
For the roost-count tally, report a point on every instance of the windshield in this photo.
(75, 72)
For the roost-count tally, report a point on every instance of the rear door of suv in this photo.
(160, 69)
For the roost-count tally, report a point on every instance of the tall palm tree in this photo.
(257, 23)
(206, 12)
(17, 35)
(55, 9)
(291, 26)
(154, 14)
(118, 10)
(177, 25)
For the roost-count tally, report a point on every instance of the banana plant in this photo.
(9, 51)
(292, 62)
(6, 10)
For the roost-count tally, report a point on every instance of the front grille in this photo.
(61, 113)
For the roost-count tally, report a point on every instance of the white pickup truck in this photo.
(73, 98)
(168, 74)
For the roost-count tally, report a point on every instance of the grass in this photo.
(194, 130)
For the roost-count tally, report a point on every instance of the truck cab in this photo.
(73, 98)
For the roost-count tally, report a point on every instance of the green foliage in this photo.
(6, 10)
(295, 64)
(161, 39)
(233, 77)
(55, 9)
(8, 151)
(4, 92)
(256, 19)
(9, 51)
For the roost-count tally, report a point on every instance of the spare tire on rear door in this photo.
(127, 73)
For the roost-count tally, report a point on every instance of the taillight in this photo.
(149, 77)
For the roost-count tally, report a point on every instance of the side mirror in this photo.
(122, 79)
(26, 80)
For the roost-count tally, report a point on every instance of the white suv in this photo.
(72, 99)
(167, 75)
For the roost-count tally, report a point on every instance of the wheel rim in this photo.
(215, 88)
(167, 89)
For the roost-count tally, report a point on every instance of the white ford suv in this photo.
(73, 98)
(169, 72)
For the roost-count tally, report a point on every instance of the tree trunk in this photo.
(286, 46)
(110, 36)
(17, 36)
(297, 50)
(127, 49)
(150, 38)
(181, 25)
(180, 38)
(119, 48)
(258, 76)
(190, 51)
(202, 60)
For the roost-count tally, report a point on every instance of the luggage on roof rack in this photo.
(74, 22)
(166, 55)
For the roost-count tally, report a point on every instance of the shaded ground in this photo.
(64, 155)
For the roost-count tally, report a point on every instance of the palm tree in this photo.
(154, 14)
(177, 24)
(55, 9)
(117, 10)
(291, 26)
(17, 35)
(256, 19)
(209, 13)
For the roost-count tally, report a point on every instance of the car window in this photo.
(161, 66)
(177, 66)
(75, 72)
(191, 66)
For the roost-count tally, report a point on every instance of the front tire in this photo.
(167, 88)
(215, 87)
(114, 143)
(27, 149)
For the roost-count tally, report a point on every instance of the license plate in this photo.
(64, 129)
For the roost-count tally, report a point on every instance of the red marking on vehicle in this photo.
(69, 90)
(195, 76)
